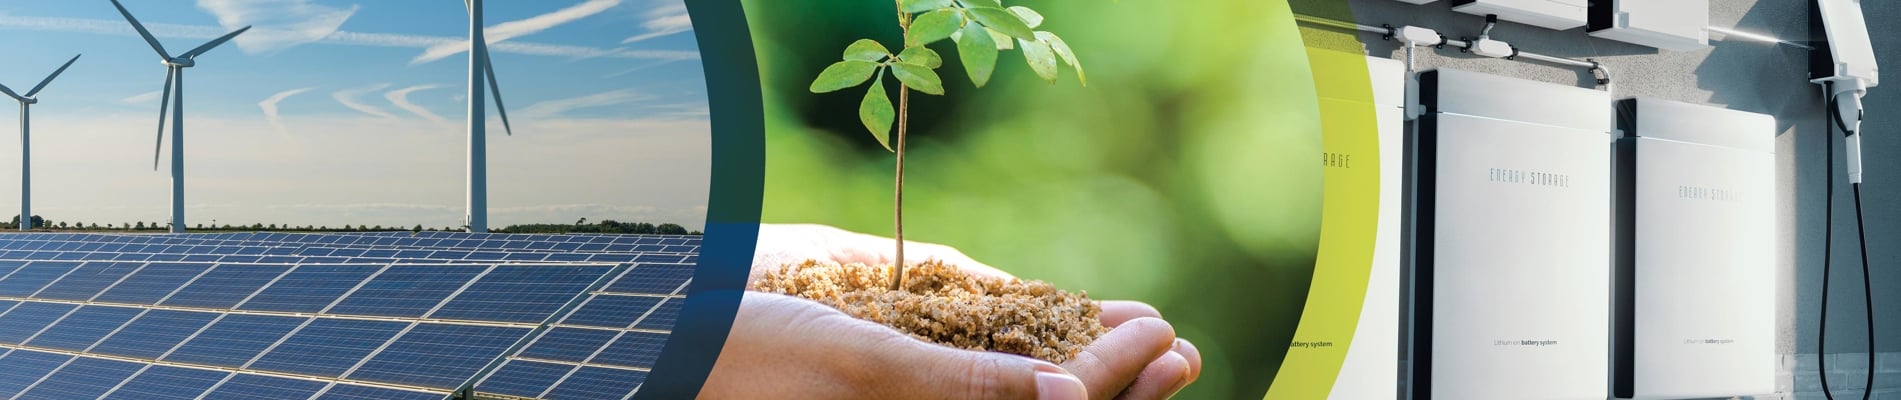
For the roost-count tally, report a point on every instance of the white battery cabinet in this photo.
(1695, 252)
(1549, 14)
(1678, 25)
(1511, 270)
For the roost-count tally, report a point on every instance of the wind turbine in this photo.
(479, 70)
(174, 96)
(26, 148)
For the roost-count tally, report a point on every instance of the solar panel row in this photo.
(329, 326)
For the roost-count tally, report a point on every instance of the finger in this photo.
(1192, 355)
(933, 371)
(1160, 379)
(1116, 312)
(1114, 360)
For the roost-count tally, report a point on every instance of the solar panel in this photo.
(521, 293)
(653, 278)
(524, 378)
(310, 288)
(611, 311)
(83, 327)
(33, 277)
(152, 283)
(407, 292)
(328, 347)
(83, 378)
(233, 340)
(569, 344)
(28, 319)
(224, 285)
(24, 368)
(167, 383)
(596, 383)
(154, 333)
(244, 386)
(438, 355)
(632, 349)
(355, 392)
(345, 316)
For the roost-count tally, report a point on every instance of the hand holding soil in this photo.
(790, 347)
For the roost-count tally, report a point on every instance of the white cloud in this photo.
(552, 108)
(400, 98)
(348, 98)
(141, 98)
(118, 27)
(512, 29)
(269, 105)
(665, 20)
(277, 24)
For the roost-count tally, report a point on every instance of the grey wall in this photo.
(1755, 77)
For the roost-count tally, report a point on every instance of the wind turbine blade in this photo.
(214, 43)
(49, 78)
(10, 93)
(495, 90)
(163, 106)
(142, 32)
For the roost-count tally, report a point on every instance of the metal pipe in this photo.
(1388, 32)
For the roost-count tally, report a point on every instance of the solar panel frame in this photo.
(398, 250)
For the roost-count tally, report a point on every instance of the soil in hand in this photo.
(940, 303)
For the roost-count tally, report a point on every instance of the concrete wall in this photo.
(1762, 78)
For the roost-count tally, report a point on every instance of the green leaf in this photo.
(921, 56)
(934, 26)
(1029, 17)
(1062, 50)
(1002, 21)
(876, 112)
(843, 74)
(866, 50)
(1004, 42)
(1041, 58)
(918, 6)
(978, 53)
(918, 77)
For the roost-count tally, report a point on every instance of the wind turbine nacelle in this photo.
(30, 101)
(180, 62)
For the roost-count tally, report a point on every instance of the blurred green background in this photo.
(1187, 174)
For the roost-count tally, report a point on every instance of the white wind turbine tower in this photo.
(174, 95)
(26, 148)
(480, 70)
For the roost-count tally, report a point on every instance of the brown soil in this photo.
(942, 304)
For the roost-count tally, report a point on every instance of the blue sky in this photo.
(607, 98)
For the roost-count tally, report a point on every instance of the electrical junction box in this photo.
(1680, 25)
(1548, 14)
(1695, 252)
(1512, 253)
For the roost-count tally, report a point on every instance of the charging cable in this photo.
(1837, 120)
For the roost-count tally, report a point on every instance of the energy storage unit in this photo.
(1512, 264)
(1695, 252)
(1681, 25)
(1548, 14)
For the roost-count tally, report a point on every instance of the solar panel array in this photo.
(336, 316)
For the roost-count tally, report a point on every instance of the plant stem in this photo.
(897, 208)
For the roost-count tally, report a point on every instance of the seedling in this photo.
(980, 28)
